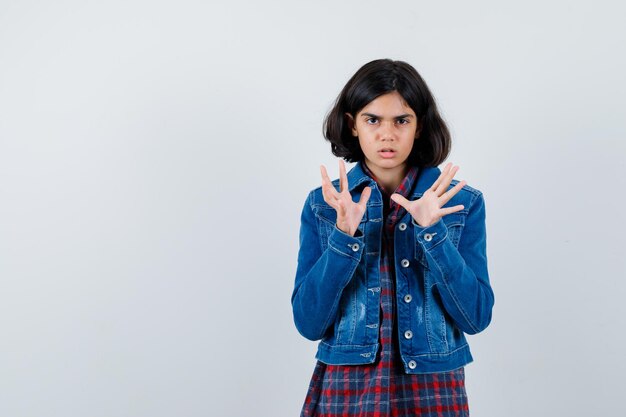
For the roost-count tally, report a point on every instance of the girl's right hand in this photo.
(349, 213)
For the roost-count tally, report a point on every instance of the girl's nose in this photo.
(386, 131)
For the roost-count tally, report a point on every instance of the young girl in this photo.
(388, 279)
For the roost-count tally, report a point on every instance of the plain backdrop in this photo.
(154, 161)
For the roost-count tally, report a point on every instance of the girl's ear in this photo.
(350, 121)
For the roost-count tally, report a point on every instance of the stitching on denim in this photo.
(444, 332)
(339, 346)
(353, 321)
(429, 354)
(340, 252)
(427, 302)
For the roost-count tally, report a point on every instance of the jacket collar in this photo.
(425, 179)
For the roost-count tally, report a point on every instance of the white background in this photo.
(155, 157)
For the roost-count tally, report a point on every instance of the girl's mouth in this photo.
(387, 153)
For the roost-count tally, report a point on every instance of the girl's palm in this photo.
(349, 213)
(427, 210)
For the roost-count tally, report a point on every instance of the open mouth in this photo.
(387, 152)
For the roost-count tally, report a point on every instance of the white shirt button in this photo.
(412, 364)
(404, 262)
(402, 226)
(408, 334)
(428, 237)
(407, 298)
(355, 247)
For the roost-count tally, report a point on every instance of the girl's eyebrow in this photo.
(402, 116)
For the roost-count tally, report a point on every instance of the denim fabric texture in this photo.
(442, 282)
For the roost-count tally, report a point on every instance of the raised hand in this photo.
(427, 209)
(349, 213)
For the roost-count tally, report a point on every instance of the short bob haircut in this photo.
(380, 77)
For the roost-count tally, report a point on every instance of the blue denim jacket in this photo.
(442, 282)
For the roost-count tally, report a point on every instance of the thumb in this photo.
(399, 199)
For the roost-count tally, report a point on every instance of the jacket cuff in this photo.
(430, 236)
(350, 246)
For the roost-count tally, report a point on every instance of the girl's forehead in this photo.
(388, 103)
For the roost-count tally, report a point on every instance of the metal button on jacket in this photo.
(355, 247)
(408, 334)
(407, 298)
(428, 237)
(404, 263)
(402, 226)
(412, 364)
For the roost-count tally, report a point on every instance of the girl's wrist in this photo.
(346, 230)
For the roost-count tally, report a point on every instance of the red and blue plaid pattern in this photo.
(383, 388)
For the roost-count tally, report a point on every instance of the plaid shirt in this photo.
(383, 388)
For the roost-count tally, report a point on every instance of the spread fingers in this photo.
(328, 189)
(343, 178)
(446, 179)
(445, 197)
(441, 175)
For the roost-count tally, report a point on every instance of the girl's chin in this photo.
(385, 162)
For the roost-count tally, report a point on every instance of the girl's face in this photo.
(386, 128)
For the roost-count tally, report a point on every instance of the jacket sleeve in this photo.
(461, 275)
(321, 276)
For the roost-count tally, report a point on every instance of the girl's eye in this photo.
(403, 121)
(372, 120)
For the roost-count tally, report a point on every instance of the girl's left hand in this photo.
(427, 209)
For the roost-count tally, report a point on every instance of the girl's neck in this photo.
(389, 178)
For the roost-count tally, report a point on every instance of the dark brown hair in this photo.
(380, 77)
